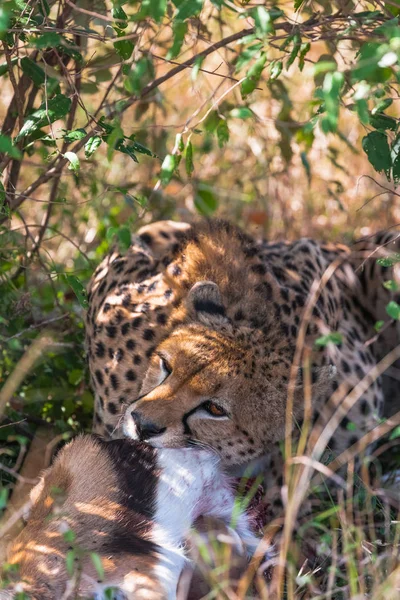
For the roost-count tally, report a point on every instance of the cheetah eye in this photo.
(165, 366)
(214, 409)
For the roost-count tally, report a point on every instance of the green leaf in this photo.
(91, 145)
(157, 9)
(8, 147)
(393, 310)
(33, 71)
(395, 156)
(56, 108)
(110, 233)
(187, 8)
(78, 289)
(4, 19)
(295, 50)
(196, 67)
(75, 135)
(222, 133)
(4, 210)
(71, 50)
(70, 562)
(4, 66)
(120, 16)
(276, 67)
(378, 325)
(395, 433)
(325, 64)
(382, 122)
(211, 123)
(44, 8)
(74, 164)
(334, 337)
(124, 48)
(98, 565)
(389, 261)
(390, 285)
(179, 143)
(382, 106)
(47, 40)
(306, 165)
(74, 378)
(142, 149)
(298, 4)
(205, 202)
(179, 30)
(367, 67)
(362, 110)
(124, 237)
(242, 113)
(262, 20)
(246, 55)
(4, 493)
(304, 49)
(115, 136)
(253, 76)
(69, 536)
(125, 148)
(376, 147)
(142, 72)
(167, 168)
(189, 159)
(333, 83)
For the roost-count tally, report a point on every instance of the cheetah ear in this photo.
(204, 303)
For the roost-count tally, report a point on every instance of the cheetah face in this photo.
(196, 392)
(210, 383)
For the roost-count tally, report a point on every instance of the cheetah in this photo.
(191, 337)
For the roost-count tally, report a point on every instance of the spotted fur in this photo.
(207, 314)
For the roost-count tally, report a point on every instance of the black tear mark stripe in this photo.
(186, 428)
(209, 306)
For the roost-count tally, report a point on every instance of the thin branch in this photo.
(36, 326)
(18, 99)
(17, 476)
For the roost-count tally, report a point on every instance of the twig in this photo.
(33, 225)
(37, 326)
(13, 423)
(179, 68)
(22, 368)
(91, 13)
(16, 475)
(19, 103)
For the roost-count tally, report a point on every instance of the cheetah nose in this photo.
(145, 429)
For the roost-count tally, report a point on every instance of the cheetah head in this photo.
(214, 384)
